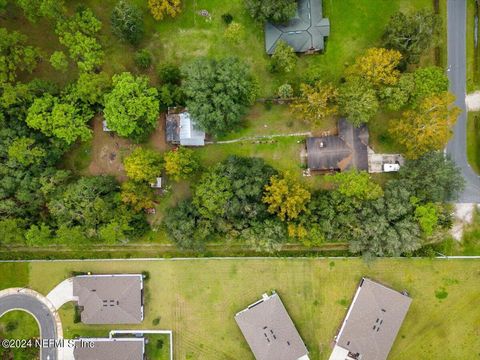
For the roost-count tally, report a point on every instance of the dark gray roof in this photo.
(305, 32)
(347, 150)
(182, 129)
(110, 349)
(270, 332)
(110, 299)
(373, 320)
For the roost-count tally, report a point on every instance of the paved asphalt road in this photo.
(457, 60)
(40, 311)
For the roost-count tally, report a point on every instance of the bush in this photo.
(227, 18)
(285, 91)
(127, 22)
(59, 61)
(156, 321)
(143, 59)
(283, 59)
(234, 32)
(169, 74)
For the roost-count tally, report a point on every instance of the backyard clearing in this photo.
(197, 299)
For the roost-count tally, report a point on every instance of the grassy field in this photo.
(473, 63)
(197, 299)
(473, 140)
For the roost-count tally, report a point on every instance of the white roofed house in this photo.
(181, 129)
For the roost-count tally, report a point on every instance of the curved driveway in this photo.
(457, 60)
(41, 312)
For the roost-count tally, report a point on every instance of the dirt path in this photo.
(307, 133)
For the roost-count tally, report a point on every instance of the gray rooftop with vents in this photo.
(305, 32)
(110, 299)
(110, 349)
(270, 331)
(373, 321)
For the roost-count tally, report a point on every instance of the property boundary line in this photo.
(445, 257)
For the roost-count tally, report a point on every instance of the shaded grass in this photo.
(381, 140)
(473, 64)
(78, 158)
(18, 325)
(197, 299)
(473, 140)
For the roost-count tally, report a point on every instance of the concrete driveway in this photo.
(62, 293)
(457, 60)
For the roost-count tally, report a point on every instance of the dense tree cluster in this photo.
(127, 22)
(276, 11)
(218, 93)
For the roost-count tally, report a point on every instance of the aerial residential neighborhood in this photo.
(239, 180)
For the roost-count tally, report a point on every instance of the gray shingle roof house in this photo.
(270, 332)
(181, 129)
(338, 153)
(306, 32)
(110, 349)
(110, 299)
(372, 323)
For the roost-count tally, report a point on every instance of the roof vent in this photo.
(322, 144)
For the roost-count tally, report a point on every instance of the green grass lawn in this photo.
(18, 325)
(473, 65)
(197, 299)
(473, 140)
(158, 347)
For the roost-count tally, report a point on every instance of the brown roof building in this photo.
(110, 299)
(270, 331)
(348, 149)
(109, 349)
(372, 323)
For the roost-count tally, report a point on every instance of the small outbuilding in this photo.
(181, 129)
(305, 32)
(270, 331)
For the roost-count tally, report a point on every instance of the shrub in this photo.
(143, 59)
(234, 32)
(283, 59)
(227, 18)
(285, 91)
(169, 74)
(59, 61)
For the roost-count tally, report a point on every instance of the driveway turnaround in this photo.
(19, 299)
(457, 60)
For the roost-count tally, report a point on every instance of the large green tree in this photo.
(412, 34)
(283, 58)
(62, 120)
(79, 35)
(34, 9)
(127, 22)
(358, 101)
(143, 165)
(131, 108)
(218, 93)
(277, 11)
(181, 163)
(15, 55)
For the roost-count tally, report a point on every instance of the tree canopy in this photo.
(162, 8)
(283, 58)
(276, 11)
(285, 197)
(34, 9)
(218, 93)
(316, 102)
(64, 121)
(412, 34)
(143, 165)
(181, 163)
(78, 35)
(127, 22)
(428, 127)
(131, 108)
(15, 55)
(356, 184)
(378, 66)
(357, 101)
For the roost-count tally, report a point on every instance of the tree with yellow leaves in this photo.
(161, 8)
(286, 197)
(378, 66)
(316, 102)
(428, 127)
